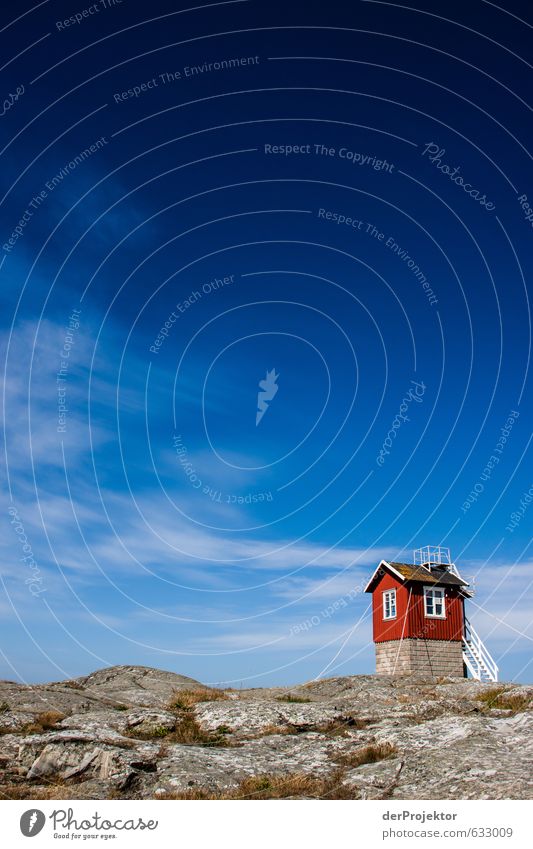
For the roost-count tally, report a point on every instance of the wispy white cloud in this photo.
(148, 539)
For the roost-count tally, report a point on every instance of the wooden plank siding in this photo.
(389, 629)
(412, 622)
(421, 626)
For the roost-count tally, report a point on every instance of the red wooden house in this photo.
(419, 620)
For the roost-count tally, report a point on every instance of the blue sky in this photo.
(169, 529)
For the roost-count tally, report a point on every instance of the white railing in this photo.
(476, 656)
(432, 554)
(472, 663)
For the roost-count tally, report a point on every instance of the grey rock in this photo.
(118, 737)
(51, 761)
(246, 715)
(150, 722)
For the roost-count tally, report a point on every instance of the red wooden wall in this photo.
(450, 628)
(390, 629)
(412, 622)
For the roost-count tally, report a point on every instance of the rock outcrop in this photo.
(136, 732)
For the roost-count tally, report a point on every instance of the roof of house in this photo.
(414, 572)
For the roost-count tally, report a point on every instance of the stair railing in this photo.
(479, 654)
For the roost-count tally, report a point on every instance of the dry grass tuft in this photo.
(26, 791)
(151, 733)
(46, 721)
(288, 697)
(370, 754)
(340, 726)
(187, 731)
(268, 730)
(497, 697)
(186, 699)
(517, 704)
(295, 786)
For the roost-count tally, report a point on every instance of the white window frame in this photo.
(391, 594)
(433, 591)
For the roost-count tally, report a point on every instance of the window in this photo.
(389, 604)
(434, 602)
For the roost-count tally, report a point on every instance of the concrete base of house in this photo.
(420, 657)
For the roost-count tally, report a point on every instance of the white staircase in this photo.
(478, 661)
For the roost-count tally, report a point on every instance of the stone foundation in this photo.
(420, 657)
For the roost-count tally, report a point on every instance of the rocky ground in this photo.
(138, 733)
